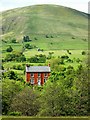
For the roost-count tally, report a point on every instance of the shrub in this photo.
(70, 67)
(12, 75)
(35, 38)
(83, 53)
(9, 49)
(13, 40)
(26, 39)
(15, 113)
(73, 37)
(38, 59)
(69, 60)
(78, 60)
(51, 36)
(61, 61)
(47, 36)
(64, 57)
(68, 52)
(28, 46)
(14, 67)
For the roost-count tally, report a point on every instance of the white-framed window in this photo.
(39, 74)
(39, 81)
(32, 81)
(45, 74)
(45, 80)
(32, 74)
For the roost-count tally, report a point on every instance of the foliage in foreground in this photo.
(64, 94)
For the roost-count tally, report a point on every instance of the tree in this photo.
(9, 89)
(38, 59)
(26, 102)
(9, 49)
(53, 100)
(21, 58)
(26, 39)
(28, 46)
(47, 36)
(67, 96)
(9, 57)
(80, 92)
(12, 75)
(83, 53)
(15, 56)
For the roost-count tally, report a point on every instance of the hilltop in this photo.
(66, 28)
(44, 19)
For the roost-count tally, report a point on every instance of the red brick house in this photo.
(37, 75)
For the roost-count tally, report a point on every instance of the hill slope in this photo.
(44, 19)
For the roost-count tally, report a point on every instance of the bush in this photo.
(12, 75)
(10, 57)
(47, 36)
(61, 61)
(69, 60)
(78, 60)
(9, 49)
(14, 67)
(51, 36)
(64, 57)
(73, 37)
(68, 52)
(20, 79)
(15, 57)
(15, 113)
(70, 67)
(38, 59)
(28, 46)
(26, 39)
(13, 40)
(21, 58)
(19, 67)
(50, 55)
(83, 53)
(35, 38)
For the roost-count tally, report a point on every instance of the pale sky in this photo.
(81, 5)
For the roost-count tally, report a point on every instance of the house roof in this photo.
(38, 69)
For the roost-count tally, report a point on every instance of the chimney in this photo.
(49, 65)
(27, 67)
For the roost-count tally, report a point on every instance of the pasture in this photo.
(44, 118)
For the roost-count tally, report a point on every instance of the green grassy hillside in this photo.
(44, 19)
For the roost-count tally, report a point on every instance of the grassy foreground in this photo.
(45, 118)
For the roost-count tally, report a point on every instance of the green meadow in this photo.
(44, 118)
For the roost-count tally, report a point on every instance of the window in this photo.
(39, 74)
(39, 81)
(32, 74)
(32, 81)
(46, 74)
(45, 80)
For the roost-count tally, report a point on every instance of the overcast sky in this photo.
(81, 5)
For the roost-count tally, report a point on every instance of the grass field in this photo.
(44, 118)
(75, 54)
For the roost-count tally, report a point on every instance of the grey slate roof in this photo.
(38, 69)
